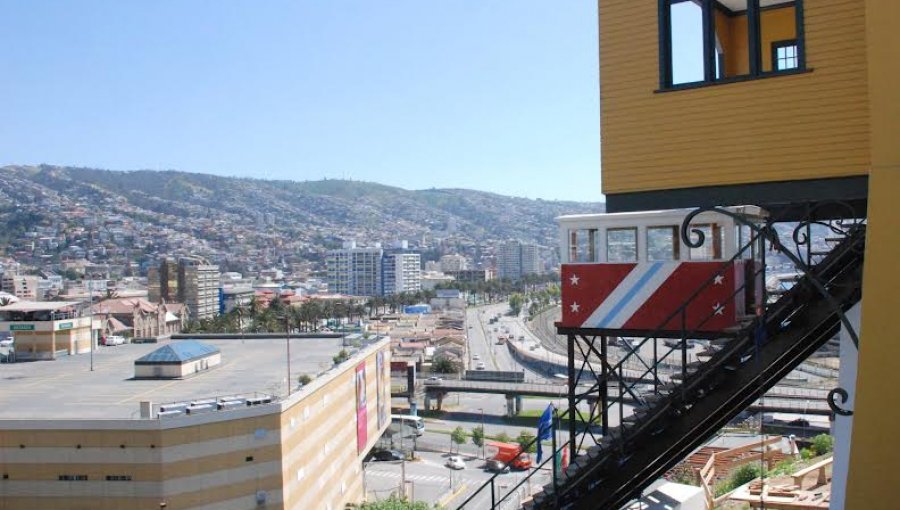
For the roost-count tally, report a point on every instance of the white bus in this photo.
(414, 422)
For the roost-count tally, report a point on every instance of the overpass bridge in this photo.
(784, 399)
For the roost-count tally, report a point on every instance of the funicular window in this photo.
(584, 245)
(663, 243)
(711, 249)
(621, 245)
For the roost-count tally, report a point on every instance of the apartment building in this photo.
(21, 286)
(402, 273)
(515, 259)
(189, 280)
(372, 271)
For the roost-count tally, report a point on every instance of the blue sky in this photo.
(497, 95)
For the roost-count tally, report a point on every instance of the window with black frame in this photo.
(708, 41)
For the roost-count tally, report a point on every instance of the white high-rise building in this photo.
(515, 259)
(402, 272)
(355, 271)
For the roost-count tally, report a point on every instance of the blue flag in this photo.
(544, 429)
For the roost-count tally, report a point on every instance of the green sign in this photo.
(65, 325)
(21, 327)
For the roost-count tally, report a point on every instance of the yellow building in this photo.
(231, 437)
(46, 330)
(785, 104)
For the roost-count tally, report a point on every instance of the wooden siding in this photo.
(791, 127)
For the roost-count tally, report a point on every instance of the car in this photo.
(112, 340)
(6, 342)
(386, 455)
(479, 366)
(434, 380)
(476, 357)
(496, 466)
(456, 462)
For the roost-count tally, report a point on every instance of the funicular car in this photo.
(632, 272)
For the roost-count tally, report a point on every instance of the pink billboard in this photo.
(362, 421)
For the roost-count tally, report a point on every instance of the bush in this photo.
(304, 379)
(341, 357)
(503, 437)
(526, 437)
(395, 503)
(822, 444)
(740, 476)
(807, 453)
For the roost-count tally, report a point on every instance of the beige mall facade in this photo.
(303, 452)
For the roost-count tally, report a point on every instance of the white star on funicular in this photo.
(719, 309)
(574, 279)
(574, 307)
(720, 280)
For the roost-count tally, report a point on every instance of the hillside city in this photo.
(212, 299)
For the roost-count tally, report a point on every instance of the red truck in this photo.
(507, 454)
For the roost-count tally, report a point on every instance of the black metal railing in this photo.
(629, 386)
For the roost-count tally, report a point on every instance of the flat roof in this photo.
(67, 389)
(37, 306)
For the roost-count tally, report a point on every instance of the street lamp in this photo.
(483, 435)
(287, 341)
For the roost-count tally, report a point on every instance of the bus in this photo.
(414, 422)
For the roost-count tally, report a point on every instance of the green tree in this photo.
(503, 437)
(516, 301)
(304, 379)
(526, 441)
(478, 436)
(444, 365)
(458, 437)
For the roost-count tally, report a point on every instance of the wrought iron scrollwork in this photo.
(768, 232)
(834, 405)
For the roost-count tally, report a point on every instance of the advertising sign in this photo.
(21, 327)
(362, 419)
(381, 375)
(65, 325)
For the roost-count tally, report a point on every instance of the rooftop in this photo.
(178, 352)
(68, 389)
(37, 306)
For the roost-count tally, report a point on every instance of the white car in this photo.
(114, 340)
(6, 342)
(433, 380)
(456, 462)
(476, 357)
(479, 366)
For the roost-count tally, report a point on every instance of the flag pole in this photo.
(553, 453)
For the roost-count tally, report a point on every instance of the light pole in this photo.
(287, 340)
(91, 317)
(483, 434)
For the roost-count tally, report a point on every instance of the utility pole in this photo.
(287, 328)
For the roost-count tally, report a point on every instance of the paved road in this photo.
(428, 479)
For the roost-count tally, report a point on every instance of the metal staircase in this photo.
(678, 413)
